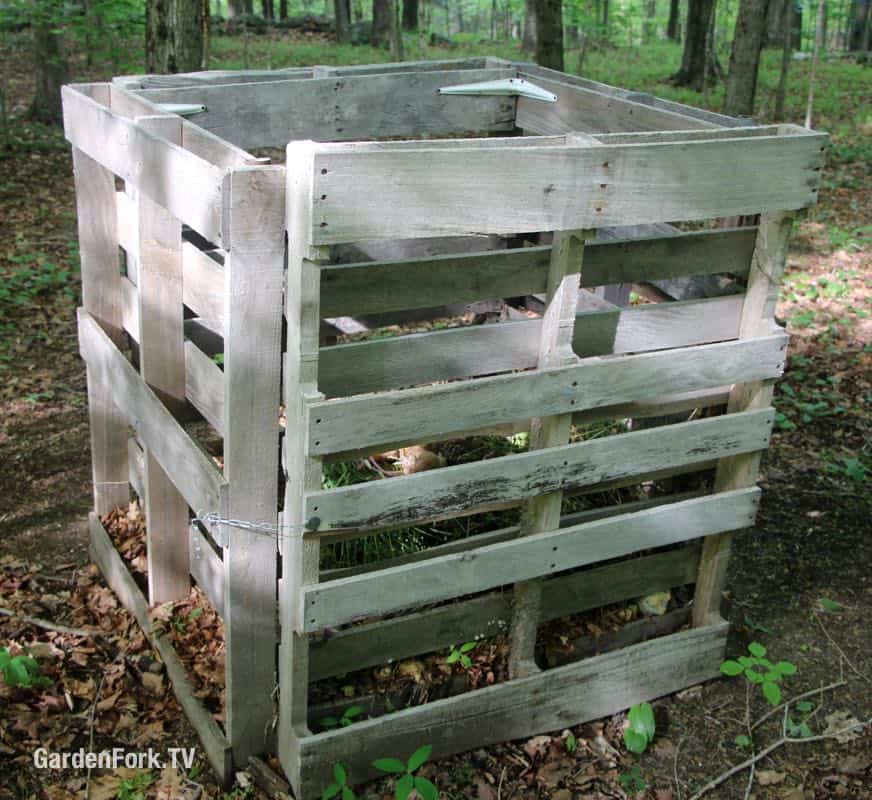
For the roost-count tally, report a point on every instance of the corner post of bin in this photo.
(300, 554)
(253, 215)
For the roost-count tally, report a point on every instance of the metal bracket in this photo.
(182, 109)
(517, 87)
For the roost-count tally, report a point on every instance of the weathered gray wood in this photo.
(144, 160)
(362, 646)
(253, 272)
(552, 700)
(371, 288)
(204, 386)
(770, 258)
(300, 557)
(207, 570)
(380, 364)
(136, 462)
(403, 192)
(121, 582)
(128, 232)
(581, 109)
(348, 107)
(189, 468)
(410, 585)
(204, 284)
(101, 296)
(158, 254)
(362, 421)
(467, 488)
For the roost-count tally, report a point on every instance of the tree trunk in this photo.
(549, 27)
(650, 26)
(858, 33)
(745, 58)
(173, 35)
(786, 54)
(410, 15)
(381, 22)
(51, 68)
(342, 10)
(694, 69)
(672, 31)
(818, 44)
(283, 9)
(235, 8)
(528, 43)
(396, 33)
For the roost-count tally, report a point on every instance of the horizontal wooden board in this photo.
(372, 288)
(203, 285)
(533, 556)
(391, 363)
(434, 192)
(204, 386)
(371, 420)
(552, 700)
(188, 467)
(344, 107)
(123, 147)
(367, 645)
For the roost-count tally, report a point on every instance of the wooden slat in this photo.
(204, 386)
(207, 570)
(102, 297)
(409, 585)
(130, 308)
(380, 364)
(143, 160)
(552, 700)
(581, 109)
(253, 276)
(204, 285)
(189, 468)
(372, 288)
(770, 258)
(467, 488)
(348, 107)
(121, 582)
(407, 193)
(128, 232)
(362, 646)
(136, 462)
(369, 420)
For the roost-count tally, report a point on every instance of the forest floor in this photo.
(800, 582)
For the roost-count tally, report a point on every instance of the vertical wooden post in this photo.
(736, 472)
(101, 297)
(542, 513)
(254, 228)
(300, 556)
(162, 365)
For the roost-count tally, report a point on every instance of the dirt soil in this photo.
(813, 542)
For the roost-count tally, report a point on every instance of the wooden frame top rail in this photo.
(405, 192)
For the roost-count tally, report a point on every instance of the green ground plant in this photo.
(460, 654)
(760, 671)
(21, 671)
(348, 718)
(408, 781)
(641, 727)
(135, 787)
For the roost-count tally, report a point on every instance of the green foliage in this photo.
(760, 671)
(339, 787)
(743, 740)
(830, 606)
(571, 742)
(851, 467)
(632, 781)
(347, 718)
(180, 621)
(21, 671)
(134, 788)
(459, 654)
(639, 733)
(406, 770)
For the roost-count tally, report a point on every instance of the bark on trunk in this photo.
(650, 26)
(173, 35)
(549, 27)
(528, 43)
(342, 10)
(786, 55)
(672, 31)
(283, 9)
(745, 58)
(693, 72)
(410, 15)
(381, 22)
(52, 70)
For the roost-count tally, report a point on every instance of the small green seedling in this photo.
(761, 671)
(640, 732)
(799, 729)
(408, 780)
(632, 781)
(344, 721)
(180, 621)
(21, 671)
(830, 606)
(339, 787)
(571, 742)
(460, 654)
(133, 788)
(743, 740)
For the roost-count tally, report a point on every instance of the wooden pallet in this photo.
(191, 246)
